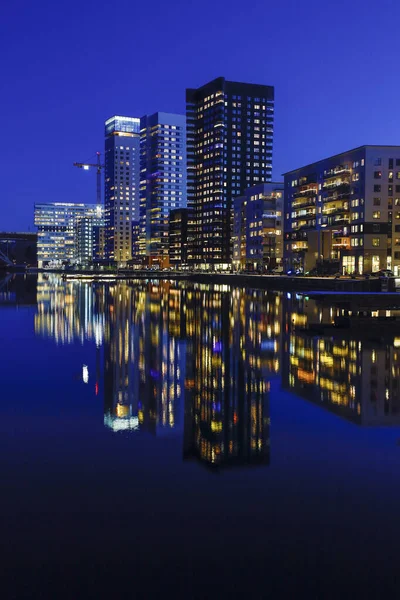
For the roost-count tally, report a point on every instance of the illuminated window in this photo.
(376, 214)
(376, 242)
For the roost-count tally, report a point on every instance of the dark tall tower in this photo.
(229, 149)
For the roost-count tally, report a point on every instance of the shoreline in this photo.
(373, 285)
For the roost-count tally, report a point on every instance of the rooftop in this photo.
(341, 154)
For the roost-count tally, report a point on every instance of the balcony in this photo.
(305, 216)
(340, 185)
(310, 191)
(299, 248)
(304, 226)
(339, 170)
(303, 204)
(335, 196)
(335, 220)
(306, 181)
(335, 210)
(341, 242)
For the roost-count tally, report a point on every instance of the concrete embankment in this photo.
(271, 282)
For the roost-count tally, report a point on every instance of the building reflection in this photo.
(197, 360)
(173, 358)
(227, 404)
(69, 311)
(357, 379)
(144, 358)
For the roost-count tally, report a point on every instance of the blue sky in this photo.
(67, 66)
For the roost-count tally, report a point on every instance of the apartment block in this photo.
(257, 228)
(344, 212)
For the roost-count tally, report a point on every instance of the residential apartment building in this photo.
(121, 189)
(89, 238)
(257, 228)
(56, 223)
(229, 144)
(345, 211)
(177, 237)
(162, 182)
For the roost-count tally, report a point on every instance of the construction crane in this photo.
(99, 167)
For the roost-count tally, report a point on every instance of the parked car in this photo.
(278, 270)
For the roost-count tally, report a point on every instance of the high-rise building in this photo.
(162, 181)
(343, 212)
(56, 223)
(229, 145)
(257, 227)
(121, 189)
(178, 230)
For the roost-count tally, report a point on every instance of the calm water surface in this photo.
(180, 440)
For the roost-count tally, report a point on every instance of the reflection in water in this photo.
(227, 411)
(351, 374)
(197, 360)
(144, 358)
(69, 311)
(193, 360)
(358, 380)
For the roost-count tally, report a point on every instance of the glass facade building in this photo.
(56, 224)
(162, 181)
(121, 189)
(229, 145)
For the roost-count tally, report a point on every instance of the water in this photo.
(193, 441)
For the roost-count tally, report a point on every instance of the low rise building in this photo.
(257, 228)
(56, 229)
(343, 212)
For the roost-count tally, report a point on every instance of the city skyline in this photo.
(346, 119)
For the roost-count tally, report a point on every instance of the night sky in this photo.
(67, 66)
